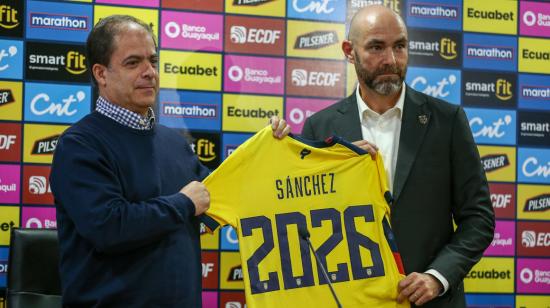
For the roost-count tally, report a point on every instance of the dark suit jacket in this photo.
(438, 178)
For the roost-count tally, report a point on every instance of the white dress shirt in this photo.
(384, 131)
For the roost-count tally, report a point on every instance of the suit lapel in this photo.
(347, 124)
(414, 124)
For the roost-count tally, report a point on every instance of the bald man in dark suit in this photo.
(430, 158)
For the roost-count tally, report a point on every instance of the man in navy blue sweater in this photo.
(126, 189)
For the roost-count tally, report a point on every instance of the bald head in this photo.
(372, 17)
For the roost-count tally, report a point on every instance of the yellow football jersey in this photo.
(268, 189)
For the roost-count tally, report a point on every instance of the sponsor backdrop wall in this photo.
(227, 66)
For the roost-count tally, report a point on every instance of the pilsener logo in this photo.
(8, 17)
(6, 97)
(539, 203)
(316, 40)
(45, 146)
(242, 35)
(250, 2)
(59, 22)
(494, 162)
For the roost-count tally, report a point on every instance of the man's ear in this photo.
(99, 74)
(348, 51)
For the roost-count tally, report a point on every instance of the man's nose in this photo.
(389, 56)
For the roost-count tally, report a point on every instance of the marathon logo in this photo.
(8, 17)
(196, 70)
(250, 2)
(233, 111)
(539, 203)
(235, 274)
(535, 55)
(229, 149)
(303, 78)
(190, 110)
(6, 97)
(59, 22)
(535, 92)
(488, 52)
(316, 40)
(45, 146)
(494, 162)
(492, 15)
(242, 35)
(502, 89)
(433, 10)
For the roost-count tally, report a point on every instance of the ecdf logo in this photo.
(302, 78)
(38, 185)
(242, 35)
(8, 17)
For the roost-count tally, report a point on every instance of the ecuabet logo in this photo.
(491, 126)
(534, 56)
(483, 16)
(534, 165)
(58, 21)
(190, 70)
(491, 275)
(56, 103)
(438, 83)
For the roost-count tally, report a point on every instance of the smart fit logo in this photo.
(8, 17)
(204, 149)
(75, 63)
(448, 48)
(503, 89)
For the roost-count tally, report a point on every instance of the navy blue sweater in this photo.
(128, 238)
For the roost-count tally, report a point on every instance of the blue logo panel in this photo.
(11, 59)
(58, 21)
(190, 110)
(56, 103)
(492, 126)
(492, 52)
(4, 253)
(329, 10)
(501, 301)
(435, 14)
(439, 83)
(534, 165)
(534, 92)
(230, 240)
(230, 142)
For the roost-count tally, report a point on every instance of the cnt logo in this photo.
(492, 130)
(250, 2)
(41, 104)
(38, 185)
(59, 22)
(316, 40)
(532, 168)
(303, 78)
(6, 97)
(243, 35)
(437, 90)
(318, 7)
(11, 52)
(8, 17)
(204, 149)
